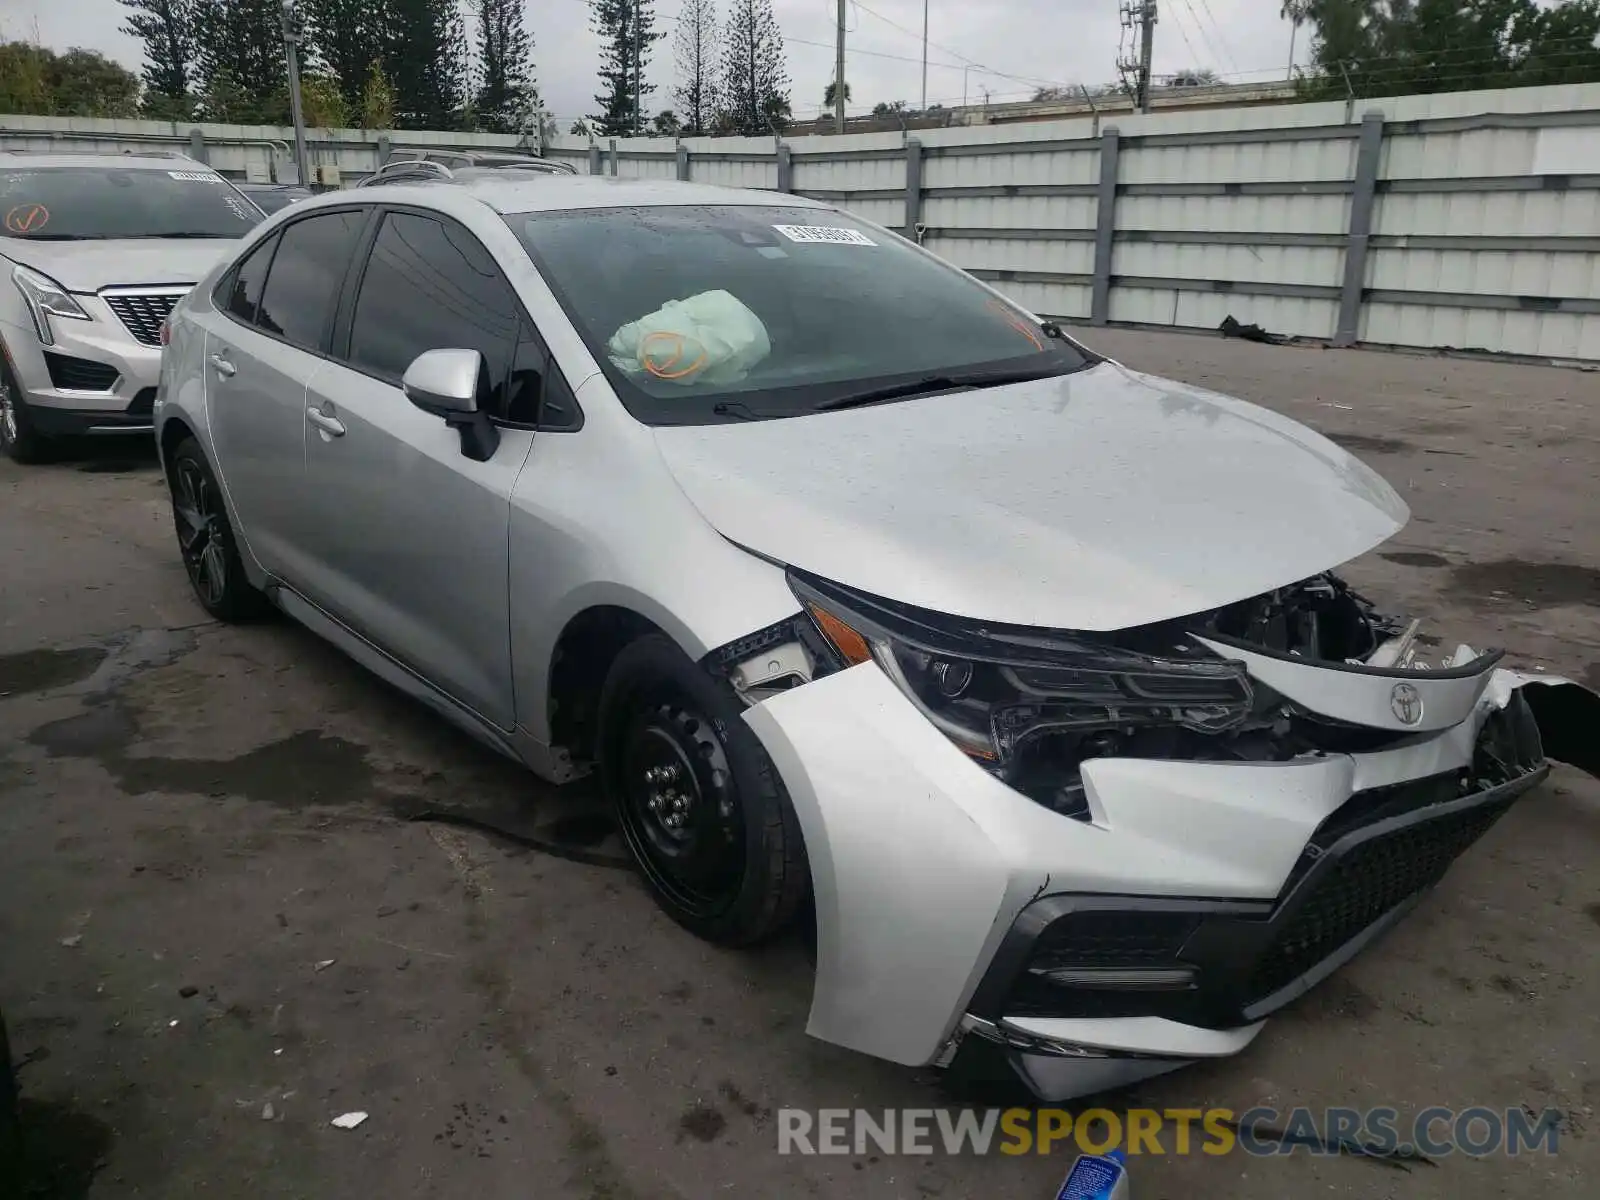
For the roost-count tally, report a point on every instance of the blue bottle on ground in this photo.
(1097, 1177)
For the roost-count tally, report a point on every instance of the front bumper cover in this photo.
(935, 883)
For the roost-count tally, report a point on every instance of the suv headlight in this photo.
(46, 298)
(1001, 693)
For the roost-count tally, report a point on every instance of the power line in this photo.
(1228, 50)
(956, 54)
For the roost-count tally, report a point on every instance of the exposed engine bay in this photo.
(1032, 706)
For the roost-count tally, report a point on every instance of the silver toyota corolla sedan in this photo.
(865, 592)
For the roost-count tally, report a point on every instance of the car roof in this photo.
(14, 160)
(555, 192)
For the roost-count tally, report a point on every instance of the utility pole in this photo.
(1140, 16)
(838, 77)
(924, 107)
(293, 30)
(638, 65)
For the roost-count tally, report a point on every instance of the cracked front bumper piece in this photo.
(961, 924)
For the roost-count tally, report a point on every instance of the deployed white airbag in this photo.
(710, 338)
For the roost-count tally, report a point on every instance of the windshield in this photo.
(73, 203)
(712, 313)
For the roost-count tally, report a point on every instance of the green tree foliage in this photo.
(350, 39)
(166, 27)
(627, 31)
(242, 67)
(695, 50)
(322, 101)
(830, 92)
(505, 60)
(77, 83)
(426, 58)
(755, 83)
(377, 100)
(1393, 47)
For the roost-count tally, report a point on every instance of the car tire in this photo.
(205, 538)
(699, 803)
(20, 441)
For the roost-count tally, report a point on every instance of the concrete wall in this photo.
(1468, 220)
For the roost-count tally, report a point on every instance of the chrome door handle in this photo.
(222, 366)
(328, 424)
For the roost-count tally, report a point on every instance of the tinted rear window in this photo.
(306, 275)
(76, 203)
(243, 287)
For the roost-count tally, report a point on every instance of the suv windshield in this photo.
(727, 312)
(73, 203)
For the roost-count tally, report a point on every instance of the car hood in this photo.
(1098, 500)
(119, 262)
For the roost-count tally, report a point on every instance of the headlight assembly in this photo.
(46, 298)
(1030, 704)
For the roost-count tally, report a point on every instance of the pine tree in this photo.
(755, 84)
(425, 58)
(695, 48)
(505, 59)
(349, 38)
(166, 27)
(627, 30)
(242, 68)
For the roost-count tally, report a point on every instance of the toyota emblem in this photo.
(1406, 704)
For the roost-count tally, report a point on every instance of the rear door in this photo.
(265, 340)
(412, 551)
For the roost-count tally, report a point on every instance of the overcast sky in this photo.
(1006, 46)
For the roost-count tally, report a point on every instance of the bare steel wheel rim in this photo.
(8, 413)
(680, 810)
(198, 515)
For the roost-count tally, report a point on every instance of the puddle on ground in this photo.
(62, 1150)
(1360, 443)
(302, 769)
(41, 670)
(1415, 558)
(1543, 585)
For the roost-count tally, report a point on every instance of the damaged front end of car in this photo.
(1087, 858)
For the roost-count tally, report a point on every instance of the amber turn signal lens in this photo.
(845, 640)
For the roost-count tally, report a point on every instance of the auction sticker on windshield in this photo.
(830, 235)
(27, 218)
(195, 176)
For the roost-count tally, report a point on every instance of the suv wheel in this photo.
(699, 803)
(205, 539)
(18, 438)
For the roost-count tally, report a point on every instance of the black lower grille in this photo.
(1363, 885)
(144, 403)
(80, 374)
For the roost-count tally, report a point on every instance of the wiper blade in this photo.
(737, 408)
(54, 237)
(931, 383)
(141, 237)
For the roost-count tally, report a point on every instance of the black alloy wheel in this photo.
(205, 539)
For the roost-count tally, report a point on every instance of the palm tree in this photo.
(1295, 12)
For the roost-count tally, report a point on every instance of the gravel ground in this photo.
(220, 927)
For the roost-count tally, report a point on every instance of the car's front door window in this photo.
(430, 285)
